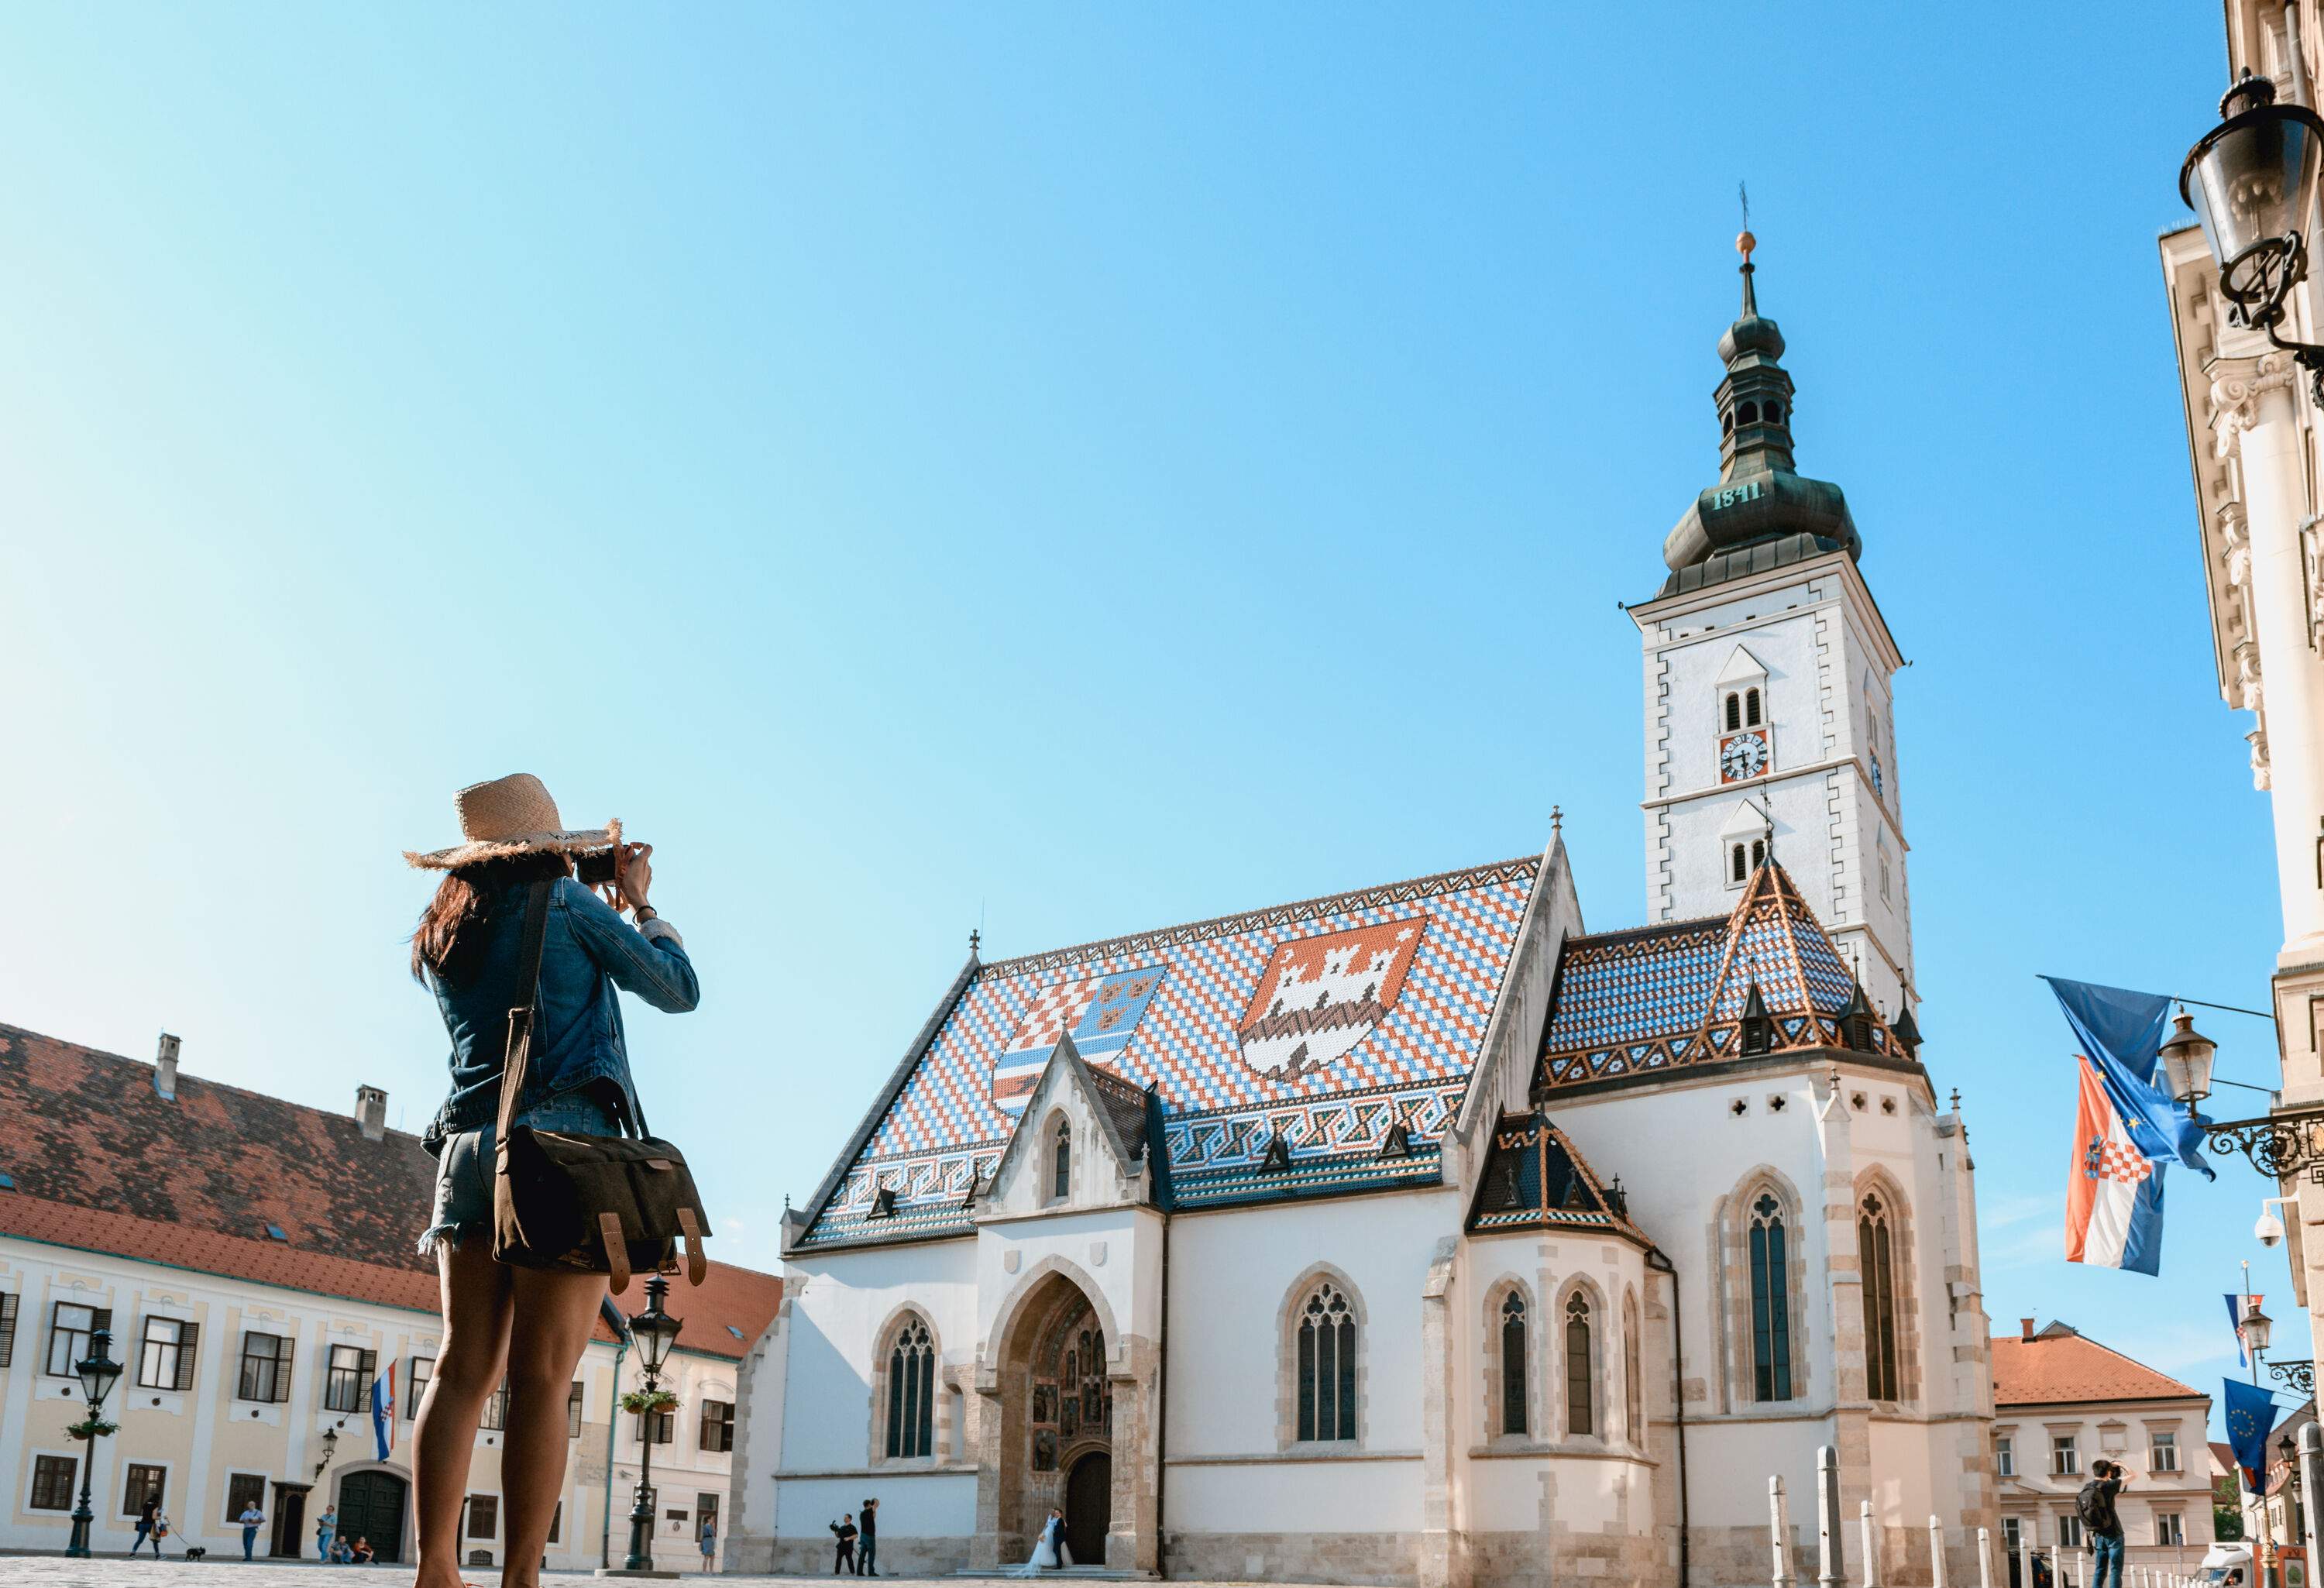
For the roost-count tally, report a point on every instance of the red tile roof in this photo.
(101, 1162)
(2059, 1366)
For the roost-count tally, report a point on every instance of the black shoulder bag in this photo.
(603, 1204)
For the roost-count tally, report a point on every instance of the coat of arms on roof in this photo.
(1320, 997)
(1100, 1011)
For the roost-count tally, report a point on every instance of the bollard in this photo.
(1985, 1558)
(1936, 1553)
(1779, 1526)
(2025, 1554)
(1830, 1569)
(2089, 1562)
(1871, 1555)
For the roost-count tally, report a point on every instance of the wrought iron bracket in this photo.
(2298, 1375)
(2257, 284)
(2280, 1145)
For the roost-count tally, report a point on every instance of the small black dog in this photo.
(198, 1553)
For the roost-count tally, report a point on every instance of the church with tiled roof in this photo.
(1415, 1233)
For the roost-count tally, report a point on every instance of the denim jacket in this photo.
(589, 950)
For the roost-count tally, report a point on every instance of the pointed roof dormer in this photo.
(1762, 513)
(1100, 1109)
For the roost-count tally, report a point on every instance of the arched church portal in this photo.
(1055, 1425)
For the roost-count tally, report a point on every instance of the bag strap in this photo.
(518, 1057)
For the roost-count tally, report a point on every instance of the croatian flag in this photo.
(2114, 1193)
(2236, 1318)
(383, 1412)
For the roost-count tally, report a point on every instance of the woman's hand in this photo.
(636, 873)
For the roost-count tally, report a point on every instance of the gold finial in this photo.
(1744, 241)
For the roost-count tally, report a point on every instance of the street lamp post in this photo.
(98, 1372)
(655, 1331)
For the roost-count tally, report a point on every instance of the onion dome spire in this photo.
(1761, 513)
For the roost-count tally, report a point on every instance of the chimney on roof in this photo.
(165, 1068)
(2027, 1326)
(371, 1112)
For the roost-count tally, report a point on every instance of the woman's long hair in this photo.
(444, 940)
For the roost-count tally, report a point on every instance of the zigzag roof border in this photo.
(1274, 915)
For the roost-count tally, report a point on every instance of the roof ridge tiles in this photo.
(1267, 915)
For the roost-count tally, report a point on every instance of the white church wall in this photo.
(940, 1506)
(1680, 1147)
(840, 1304)
(1296, 1496)
(1114, 1254)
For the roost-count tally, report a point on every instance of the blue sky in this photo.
(1072, 470)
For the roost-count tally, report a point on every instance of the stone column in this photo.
(1133, 1541)
(2256, 418)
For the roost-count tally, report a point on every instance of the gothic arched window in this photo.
(912, 1392)
(1734, 711)
(1750, 709)
(1758, 852)
(1771, 1302)
(1736, 865)
(1327, 1366)
(1061, 1185)
(1513, 1364)
(1578, 1417)
(1874, 1250)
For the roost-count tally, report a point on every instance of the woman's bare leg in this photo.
(478, 1301)
(554, 1310)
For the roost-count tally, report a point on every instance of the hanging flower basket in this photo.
(645, 1400)
(91, 1428)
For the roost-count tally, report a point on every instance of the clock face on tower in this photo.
(1742, 757)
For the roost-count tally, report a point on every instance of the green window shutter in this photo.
(7, 1328)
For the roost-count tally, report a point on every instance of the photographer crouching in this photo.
(523, 959)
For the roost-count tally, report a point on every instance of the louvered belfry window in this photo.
(911, 1393)
(1327, 1366)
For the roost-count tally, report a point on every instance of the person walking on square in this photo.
(470, 951)
(148, 1514)
(326, 1529)
(2103, 1522)
(843, 1530)
(252, 1520)
(867, 1549)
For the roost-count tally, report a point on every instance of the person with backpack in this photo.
(2096, 1506)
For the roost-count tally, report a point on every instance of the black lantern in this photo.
(2256, 1325)
(2187, 1058)
(98, 1372)
(655, 1331)
(2247, 180)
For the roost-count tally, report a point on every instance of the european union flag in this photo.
(2250, 1418)
(2121, 1032)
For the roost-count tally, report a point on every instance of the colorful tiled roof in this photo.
(101, 1161)
(1535, 1179)
(1674, 995)
(1321, 1024)
(2058, 1367)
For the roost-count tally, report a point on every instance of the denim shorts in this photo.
(464, 1172)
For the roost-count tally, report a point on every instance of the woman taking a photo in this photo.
(526, 1326)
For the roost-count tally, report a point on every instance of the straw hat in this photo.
(511, 816)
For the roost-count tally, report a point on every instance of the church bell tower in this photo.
(1767, 689)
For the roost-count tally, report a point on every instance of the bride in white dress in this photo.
(1050, 1552)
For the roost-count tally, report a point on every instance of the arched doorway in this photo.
(1089, 1506)
(1054, 1419)
(372, 1506)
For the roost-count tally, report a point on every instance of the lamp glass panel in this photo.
(2247, 186)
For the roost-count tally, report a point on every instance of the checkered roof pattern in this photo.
(1635, 988)
(1184, 1046)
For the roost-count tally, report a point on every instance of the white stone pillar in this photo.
(2263, 412)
